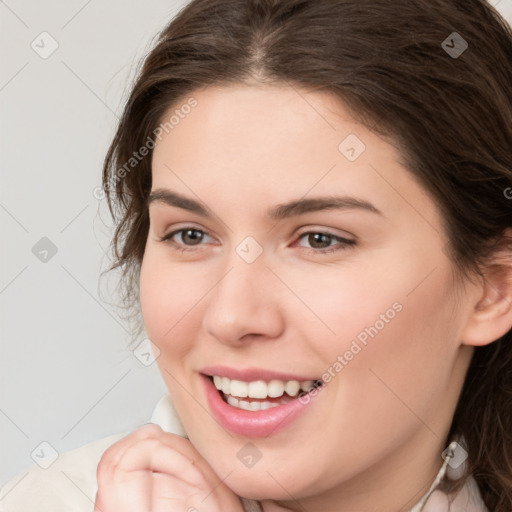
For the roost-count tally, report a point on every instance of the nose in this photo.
(244, 305)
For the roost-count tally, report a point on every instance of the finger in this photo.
(154, 455)
(188, 450)
(116, 450)
(113, 453)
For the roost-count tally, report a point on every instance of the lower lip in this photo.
(251, 423)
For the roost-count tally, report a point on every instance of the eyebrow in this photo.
(279, 212)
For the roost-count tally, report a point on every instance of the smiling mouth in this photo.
(260, 395)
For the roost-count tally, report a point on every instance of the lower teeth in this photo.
(250, 406)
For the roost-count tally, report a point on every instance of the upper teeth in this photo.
(260, 388)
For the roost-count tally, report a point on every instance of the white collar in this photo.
(166, 417)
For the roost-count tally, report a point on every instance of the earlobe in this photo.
(491, 317)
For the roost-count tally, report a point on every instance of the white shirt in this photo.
(69, 484)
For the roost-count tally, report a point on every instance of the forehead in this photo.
(278, 142)
(262, 129)
(257, 120)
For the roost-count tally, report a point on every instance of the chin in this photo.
(259, 485)
(252, 491)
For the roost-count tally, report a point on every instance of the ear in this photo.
(491, 316)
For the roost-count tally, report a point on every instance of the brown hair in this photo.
(450, 115)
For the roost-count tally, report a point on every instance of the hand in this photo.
(153, 471)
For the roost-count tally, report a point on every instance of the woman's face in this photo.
(260, 285)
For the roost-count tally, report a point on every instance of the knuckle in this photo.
(148, 430)
(103, 469)
(107, 459)
(111, 457)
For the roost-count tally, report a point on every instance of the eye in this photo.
(321, 241)
(190, 236)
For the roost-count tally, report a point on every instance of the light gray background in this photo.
(66, 376)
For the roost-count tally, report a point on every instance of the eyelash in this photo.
(345, 243)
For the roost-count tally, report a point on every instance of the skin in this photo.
(384, 418)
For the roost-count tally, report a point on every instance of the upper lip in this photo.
(253, 374)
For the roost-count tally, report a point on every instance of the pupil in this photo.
(318, 238)
(194, 240)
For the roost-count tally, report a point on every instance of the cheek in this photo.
(355, 303)
(394, 312)
(395, 360)
(392, 333)
(166, 296)
(403, 365)
(152, 297)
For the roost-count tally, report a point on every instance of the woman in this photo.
(314, 204)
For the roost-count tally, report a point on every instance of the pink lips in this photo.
(251, 423)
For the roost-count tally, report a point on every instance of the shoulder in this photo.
(68, 484)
